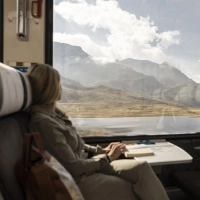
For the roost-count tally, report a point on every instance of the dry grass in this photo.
(115, 109)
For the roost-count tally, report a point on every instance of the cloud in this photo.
(80, 40)
(129, 36)
(196, 78)
(168, 38)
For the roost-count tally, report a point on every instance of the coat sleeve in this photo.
(56, 143)
(94, 149)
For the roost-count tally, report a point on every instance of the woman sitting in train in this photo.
(97, 176)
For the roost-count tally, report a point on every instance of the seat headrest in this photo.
(15, 90)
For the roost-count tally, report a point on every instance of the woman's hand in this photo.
(109, 147)
(116, 151)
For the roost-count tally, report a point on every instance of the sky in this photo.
(155, 30)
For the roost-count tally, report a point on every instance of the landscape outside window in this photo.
(129, 67)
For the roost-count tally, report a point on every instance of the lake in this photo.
(140, 125)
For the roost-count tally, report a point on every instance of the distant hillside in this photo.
(102, 101)
(96, 94)
(76, 93)
(141, 87)
(172, 76)
(164, 73)
(66, 82)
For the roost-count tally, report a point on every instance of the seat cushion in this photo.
(11, 143)
(189, 182)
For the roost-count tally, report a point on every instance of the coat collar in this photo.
(46, 111)
(43, 109)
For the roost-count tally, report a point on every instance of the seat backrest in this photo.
(11, 143)
(15, 90)
(15, 95)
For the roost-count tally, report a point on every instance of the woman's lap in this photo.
(123, 177)
(100, 186)
(128, 169)
(144, 181)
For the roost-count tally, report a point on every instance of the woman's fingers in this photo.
(123, 148)
(116, 151)
(113, 144)
(116, 146)
(119, 148)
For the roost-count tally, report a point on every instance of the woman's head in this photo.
(45, 84)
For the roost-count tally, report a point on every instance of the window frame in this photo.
(108, 139)
(1, 29)
(49, 15)
(49, 31)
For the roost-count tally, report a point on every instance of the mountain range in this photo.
(130, 77)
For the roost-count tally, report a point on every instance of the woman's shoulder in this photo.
(41, 123)
(41, 113)
(44, 117)
(39, 118)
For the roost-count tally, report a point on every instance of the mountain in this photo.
(66, 54)
(103, 101)
(138, 78)
(75, 92)
(172, 76)
(141, 87)
(179, 89)
(66, 82)
(91, 73)
(164, 73)
(72, 62)
(143, 66)
(189, 95)
(72, 52)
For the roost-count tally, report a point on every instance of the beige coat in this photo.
(62, 141)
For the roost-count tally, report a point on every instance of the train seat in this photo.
(1, 197)
(189, 182)
(15, 98)
(12, 128)
(15, 90)
(15, 95)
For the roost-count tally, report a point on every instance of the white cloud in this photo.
(128, 36)
(80, 40)
(168, 38)
(196, 78)
(81, 1)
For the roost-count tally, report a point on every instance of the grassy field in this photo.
(115, 109)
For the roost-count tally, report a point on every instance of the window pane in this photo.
(129, 67)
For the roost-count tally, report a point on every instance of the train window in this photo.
(129, 67)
